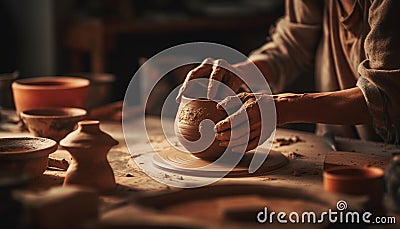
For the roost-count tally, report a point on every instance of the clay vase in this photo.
(88, 146)
(188, 120)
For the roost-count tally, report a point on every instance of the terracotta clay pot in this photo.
(366, 181)
(88, 146)
(54, 123)
(47, 92)
(25, 157)
(190, 115)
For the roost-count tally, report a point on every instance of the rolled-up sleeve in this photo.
(293, 42)
(380, 71)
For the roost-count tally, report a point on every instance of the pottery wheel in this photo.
(173, 160)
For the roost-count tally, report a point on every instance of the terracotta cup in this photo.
(48, 92)
(190, 115)
(366, 181)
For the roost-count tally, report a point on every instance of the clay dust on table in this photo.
(288, 141)
(294, 155)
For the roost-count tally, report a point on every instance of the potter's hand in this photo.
(234, 131)
(215, 70)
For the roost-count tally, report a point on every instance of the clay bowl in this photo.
(190, 114)
(25, 157)
(53, 123)
(356, 180)
(47, 92)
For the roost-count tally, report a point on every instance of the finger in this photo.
(230, 134)
(233, 120)
(232, 81)
(242, 140)
(204, 69)
(237, 132)
(247, 111)
(223, 125)
(223, 143)
(253, 143)
(239, 99)
(245, 138)
(216, 77)
(199, 72)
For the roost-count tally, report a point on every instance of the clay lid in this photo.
(26, 147)
(88, 135)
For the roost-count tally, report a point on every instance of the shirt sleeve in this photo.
(293, 42)
(380, 71)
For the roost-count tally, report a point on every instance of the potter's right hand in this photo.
(246, 127)
(215, 70)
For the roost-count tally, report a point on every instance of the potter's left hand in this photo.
(234, 131)
(217, 71)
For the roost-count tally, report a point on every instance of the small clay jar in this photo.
(88, 146)
(190, 115)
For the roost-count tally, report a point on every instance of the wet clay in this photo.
(191, 113)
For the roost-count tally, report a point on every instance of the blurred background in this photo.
(48, 37)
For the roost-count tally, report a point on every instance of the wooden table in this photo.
(303, 172)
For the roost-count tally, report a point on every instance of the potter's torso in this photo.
(345, 26)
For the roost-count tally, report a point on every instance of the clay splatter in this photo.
(288, 141)
(294, 155)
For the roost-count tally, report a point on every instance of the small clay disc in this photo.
(173, 160)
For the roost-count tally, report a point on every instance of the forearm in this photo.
(346, 107)
(264, 65)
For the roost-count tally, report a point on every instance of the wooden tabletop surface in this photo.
(304, 170)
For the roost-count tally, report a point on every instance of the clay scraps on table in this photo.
(288, 141)
(305, 171)
(294, 155)
(60, 164)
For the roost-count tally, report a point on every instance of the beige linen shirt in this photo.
(361, 49)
